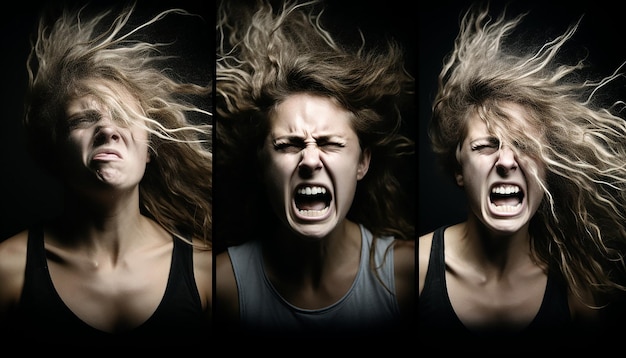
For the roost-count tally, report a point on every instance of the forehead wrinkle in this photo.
(294, 132)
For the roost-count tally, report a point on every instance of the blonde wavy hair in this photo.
(580, 227)
(176, 189)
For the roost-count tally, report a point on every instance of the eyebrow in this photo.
(88, 113)
(490, 139)
(322, 138)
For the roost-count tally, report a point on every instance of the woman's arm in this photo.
(12, 267)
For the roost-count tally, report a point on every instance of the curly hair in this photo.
(266, 54)
(176, 188)
(580, 227)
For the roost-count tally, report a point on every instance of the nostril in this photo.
(304, 170)
(504, 168)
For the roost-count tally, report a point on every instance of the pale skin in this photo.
(315, 257)
(490, 275)
(111, 268)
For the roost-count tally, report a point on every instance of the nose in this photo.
(106, 130)
(507, 161)
(310, 161)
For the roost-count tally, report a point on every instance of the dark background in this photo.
(28, 193)
(601, 32)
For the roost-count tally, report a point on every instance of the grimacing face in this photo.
(500, 187)
(313, 161)
(103, 152)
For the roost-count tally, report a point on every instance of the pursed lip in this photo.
(105, 154)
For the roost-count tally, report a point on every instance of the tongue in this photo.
(511, 201)
(311, 205)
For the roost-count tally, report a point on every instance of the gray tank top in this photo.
(367, 306)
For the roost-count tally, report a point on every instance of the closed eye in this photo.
(486, 146)
(295, 144)
(288, 147)
(330, 144)
(83, 119)
(483, 147)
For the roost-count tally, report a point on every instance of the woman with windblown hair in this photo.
(308, 137)
(130, 256)
(543, 166)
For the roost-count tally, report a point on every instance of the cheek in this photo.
(472, 169)
(141, 138)
(344, 164)
(473, 188)
(533, 170)
(536, 192)
(141, 150)
(474, 175)
(345, 176)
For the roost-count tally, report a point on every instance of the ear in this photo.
(458, 173)
(364, 164)
(458, 176)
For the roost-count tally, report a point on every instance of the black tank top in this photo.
(436, 317)
(43, 315)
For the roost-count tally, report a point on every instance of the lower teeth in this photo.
(507, 207)
(312, 212)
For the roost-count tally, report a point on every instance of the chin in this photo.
(510, 227)
(309, 232)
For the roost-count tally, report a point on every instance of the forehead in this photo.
(101, 94)
(310, 113)
(507, 120)
(105, 96)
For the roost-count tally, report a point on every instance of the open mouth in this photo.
(506, 197)
(312, 200)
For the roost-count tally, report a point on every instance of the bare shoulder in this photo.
(404, 267)
(12, 266)
(224, 274)
(404, 255)
(13, 254)
(404, 262)
(226, 294)
(424, 245)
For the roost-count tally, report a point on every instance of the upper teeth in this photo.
(312, 190)
(505, 189)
